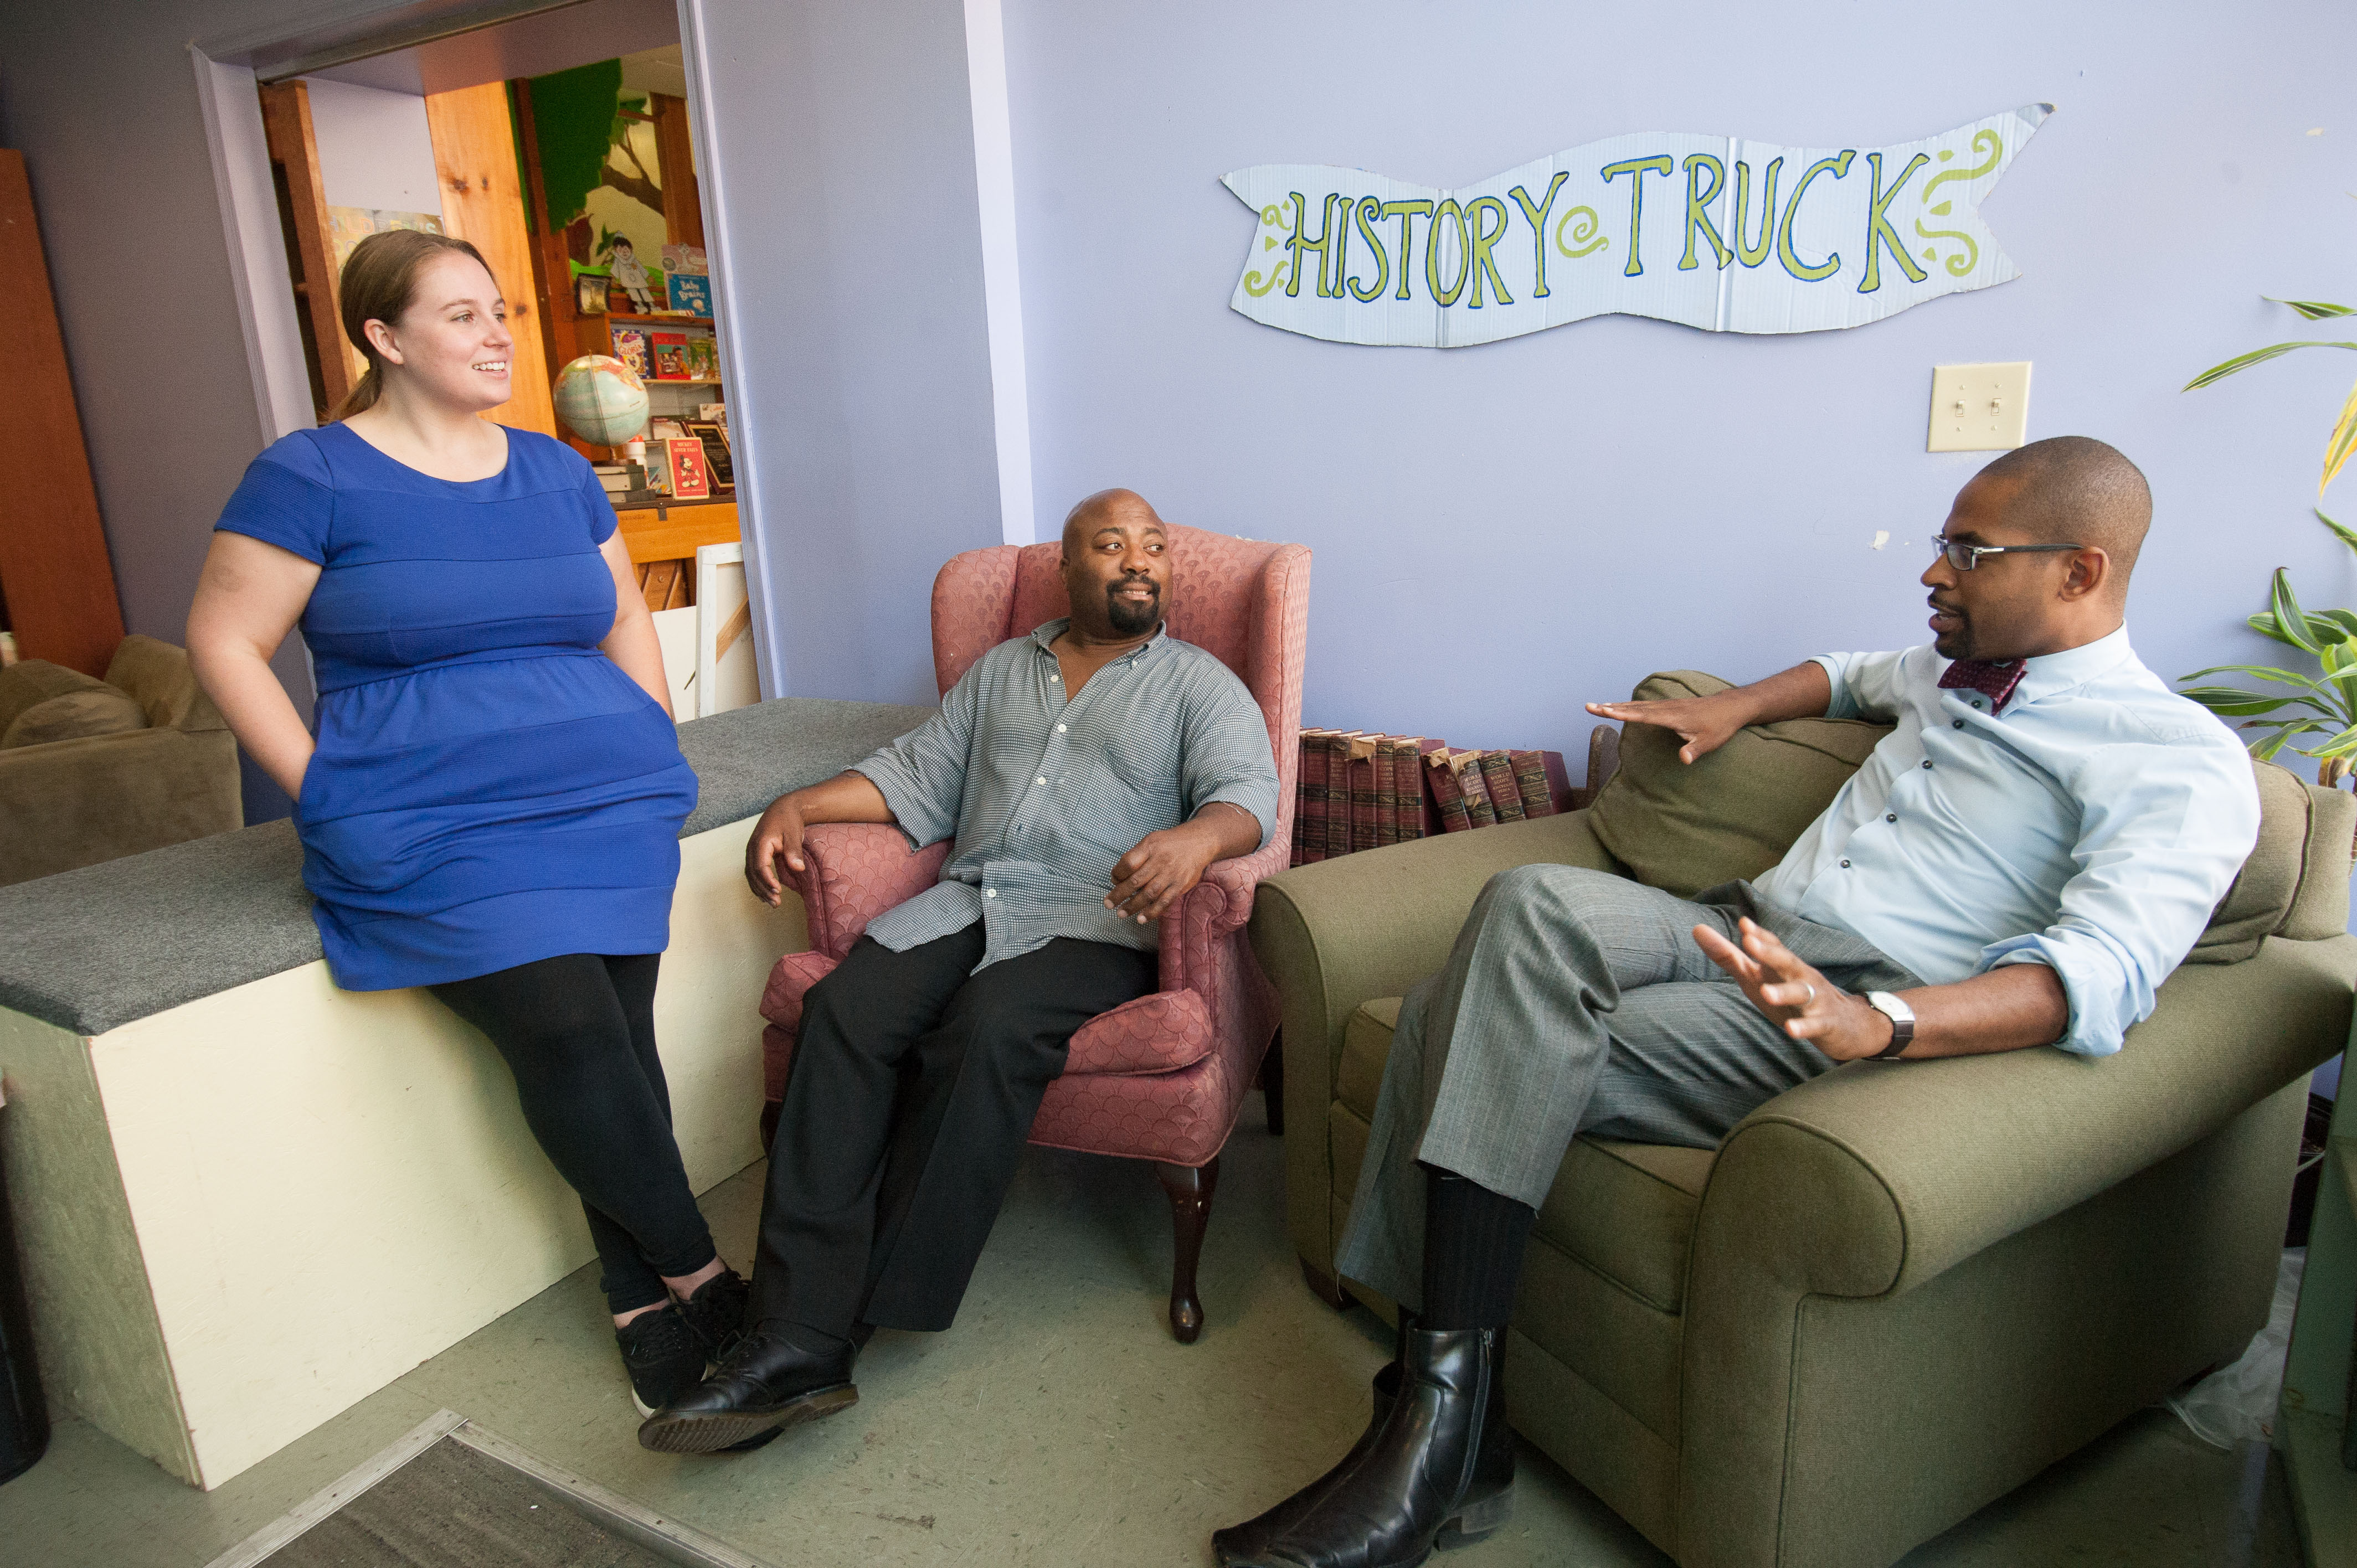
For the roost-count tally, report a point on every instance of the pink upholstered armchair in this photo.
(1162, 1078)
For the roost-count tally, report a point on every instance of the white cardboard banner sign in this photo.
(1717, 233)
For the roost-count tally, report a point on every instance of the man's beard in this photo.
(1128, 619)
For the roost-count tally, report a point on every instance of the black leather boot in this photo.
(767, 1383)
(1243, 1543)
(1443, 1461)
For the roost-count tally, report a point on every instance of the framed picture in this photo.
(726, 675)
(691, 479)
(715, 436)
(589, 295)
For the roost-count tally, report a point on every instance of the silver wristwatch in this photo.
(1902, 1022)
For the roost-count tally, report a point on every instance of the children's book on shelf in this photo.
(632, 347)
(679, 257)
(703, 357)
(688, 293)
(684, 459)
(671, 356)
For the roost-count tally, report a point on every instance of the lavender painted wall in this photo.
(1502, 532)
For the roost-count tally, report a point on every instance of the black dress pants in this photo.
(578, 1032)
(914, 1084)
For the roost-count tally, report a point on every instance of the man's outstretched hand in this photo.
(1805, 1003)
(1705, 724)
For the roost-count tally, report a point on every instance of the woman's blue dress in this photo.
(489, 789)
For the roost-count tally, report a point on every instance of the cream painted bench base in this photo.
(286, 1196)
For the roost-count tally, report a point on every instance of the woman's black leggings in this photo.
(578, 1032)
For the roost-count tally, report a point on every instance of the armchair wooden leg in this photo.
(1271, 1083)
(1324, 1286)
(1189, 1189)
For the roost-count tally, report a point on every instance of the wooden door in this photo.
(482, 201)
(54, 571)
(287, 123)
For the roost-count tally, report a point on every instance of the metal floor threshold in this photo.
(451, 1495)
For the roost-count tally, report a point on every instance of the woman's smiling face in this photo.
(452, 343)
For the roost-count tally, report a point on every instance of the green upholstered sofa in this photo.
(93, 770)
(1895, 1293)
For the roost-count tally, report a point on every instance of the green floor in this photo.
(1059, 1423)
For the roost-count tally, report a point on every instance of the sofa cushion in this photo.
(2261, 898)
(76, 716)
(1625, 1210)
(29, 682)
(1734, 812)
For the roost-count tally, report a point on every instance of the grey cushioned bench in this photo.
(188, 1091)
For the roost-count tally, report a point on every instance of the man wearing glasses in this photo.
(2020, 862)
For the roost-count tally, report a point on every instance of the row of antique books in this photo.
(1358, 791)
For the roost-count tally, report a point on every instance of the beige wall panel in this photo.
(94, 1330)
(329, 1187)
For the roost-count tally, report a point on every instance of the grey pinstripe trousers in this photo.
(1574, 1002)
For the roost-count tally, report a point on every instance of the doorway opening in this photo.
(558, 144)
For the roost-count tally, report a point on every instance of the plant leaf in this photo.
(2263, 672)
(2337, 449)
(2263, 623)
(2314, 309)
(2256, 357)
(2289, 619)
(2234, 704)
(2265, 750)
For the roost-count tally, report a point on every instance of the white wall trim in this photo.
(257, 247)
(994, 178)
(715, 177)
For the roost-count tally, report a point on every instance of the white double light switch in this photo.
(1979, 408)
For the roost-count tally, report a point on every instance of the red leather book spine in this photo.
(1531, 783)
(1337, 792)
(1386, 760)
(1313, 795)
(1448, 796)
(1498, 773)
(1363, 751)
(1558, 780)
(1478, 809)
(1300, 792)
(1405, 755)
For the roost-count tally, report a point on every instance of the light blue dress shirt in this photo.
(1044, 794)
(2092, 826)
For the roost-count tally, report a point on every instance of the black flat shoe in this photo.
(1241, 1543)
(665, 1358)
(764, 1384)
(716, 1313)
(1443, 1463)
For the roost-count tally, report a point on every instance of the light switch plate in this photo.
(1979, 408)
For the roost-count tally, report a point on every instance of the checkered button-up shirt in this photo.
(1043, 794)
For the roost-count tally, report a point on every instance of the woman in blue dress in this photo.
(492, 806)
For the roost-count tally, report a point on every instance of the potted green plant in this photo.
(2298, 705)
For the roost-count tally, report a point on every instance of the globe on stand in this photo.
(601, 400)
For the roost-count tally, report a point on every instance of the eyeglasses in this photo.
(1965, 557)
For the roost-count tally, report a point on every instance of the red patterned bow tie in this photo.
(1993, 679)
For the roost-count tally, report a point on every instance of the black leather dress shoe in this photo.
(1243, 1542)
(766, 1383)
(1442, 1463)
